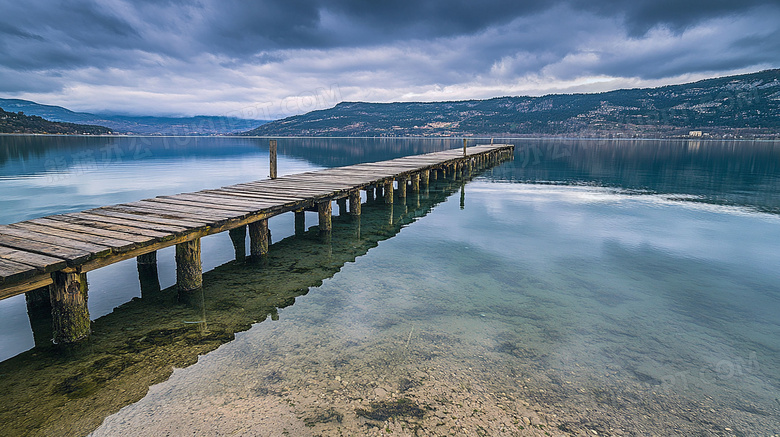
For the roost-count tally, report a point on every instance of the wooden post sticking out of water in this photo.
(388, 188)
(189, 271)
(258, 238)
(369, 194)
(300, 222)
(354, 203)
(238, 237)
(416, 183)
(342, 203)
(464, 147)
(147, 273)
(425, 177)
(324, 212)
(70, 315)
(434, 174)
(272, 154)
(401, 187)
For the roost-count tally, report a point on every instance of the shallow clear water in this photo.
(618, 287)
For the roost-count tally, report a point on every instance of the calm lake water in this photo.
(586, 287)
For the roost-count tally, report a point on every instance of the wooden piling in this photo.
(189, 271)
(416, 183)
(147, 273)
(238, 237)
(369, 194)
(70, 314)
(324, 212)
(354, 203)
(464, 147)
(402, 182)
(272, 154)
(425, 177)
(258, 238)
(300, 222)
(388, 189)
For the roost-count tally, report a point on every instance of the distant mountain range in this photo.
(19, 123)
(147, 125)
(744, 105)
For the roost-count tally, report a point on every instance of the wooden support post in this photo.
(354, 203)
(402, 182)
(300, 222)
(416, 183)
(369, 194)
(388, 188)
(342, 203)
(425, 177)
(324, 212)
(258, 238)
(39, 313)
(189, 271)
(272, 154)
(434, 174)
(70, 314)
(464, 147)
(147, 273)
(238, 237)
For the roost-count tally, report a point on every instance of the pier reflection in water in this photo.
(68, 391)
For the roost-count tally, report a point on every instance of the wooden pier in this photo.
(52, 255)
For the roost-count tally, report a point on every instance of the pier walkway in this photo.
(51, 255)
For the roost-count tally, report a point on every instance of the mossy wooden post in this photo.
(39, 312)
(402, 183)
(272, 154)
(425, 177)
(369, 194)
(342, 203)
(388, 188)
(70, 315)
(416, 183)
(147, 273)
(238, 237)
(324, 213)
(434, 174)
(189, 271)
(354, 203)
(300, 222)
(258, 238)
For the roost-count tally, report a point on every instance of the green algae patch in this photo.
(381, 411)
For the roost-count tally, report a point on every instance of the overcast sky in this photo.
(268, 59)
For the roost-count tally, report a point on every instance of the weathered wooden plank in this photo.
(224, 199)
(12, 271)
(53, 240)
(17, 288)
(148, 218)
(195, 206)
(129, 223)
(204, 217)
(45, 264)
(67, 253)
(64, 236)
(108, 234)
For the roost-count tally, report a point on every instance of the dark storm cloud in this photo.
(388, 50)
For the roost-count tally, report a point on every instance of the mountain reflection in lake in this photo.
(615, 287)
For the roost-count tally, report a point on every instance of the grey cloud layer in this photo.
(402, 47)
